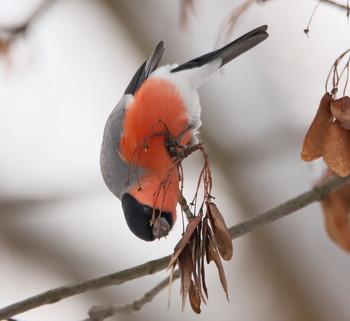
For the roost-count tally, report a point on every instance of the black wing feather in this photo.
(230, 51)
(146, 68)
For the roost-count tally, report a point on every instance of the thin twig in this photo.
(315, 194)
(307, 30)
(185, 208)
(102, 312)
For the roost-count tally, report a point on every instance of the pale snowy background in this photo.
(60, 224)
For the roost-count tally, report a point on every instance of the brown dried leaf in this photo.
(312, 146)
(5, 46)
(336, 209)
(209, 249)
(336, 149)
(186, 269)
(221, 233)
(195, 299)
(212, 255)
(204, 284)
(340, 109)
(191, 226)
(195, 245)
(203, 251)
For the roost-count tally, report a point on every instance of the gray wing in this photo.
(117, 174)
(115, 171)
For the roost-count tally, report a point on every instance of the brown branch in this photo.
(102, 312)
(315, 194)
(63, 292)
(185, 208)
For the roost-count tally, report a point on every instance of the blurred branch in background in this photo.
(229, 23)
(99, 313)
(11, 31)
(337, 4)
(55, 295)
(186, 8)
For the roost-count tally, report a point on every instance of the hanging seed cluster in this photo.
(329, 135)
(206, 239)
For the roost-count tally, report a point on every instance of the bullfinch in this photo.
(158, 114)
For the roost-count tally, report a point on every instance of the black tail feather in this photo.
(230, 51)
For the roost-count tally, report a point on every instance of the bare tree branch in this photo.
(102, 312)
(185, 208)
(315, 194)
(63, 292)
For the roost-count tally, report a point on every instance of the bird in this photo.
(158, 115)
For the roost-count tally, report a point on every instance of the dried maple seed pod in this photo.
(195, 299)
(186, 269)
(221, 233)
(336, 149)
(340, 109)
(312, 146)
(336, 209)
(213, 255)
(185, 239)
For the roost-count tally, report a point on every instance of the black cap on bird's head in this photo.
(138, 217)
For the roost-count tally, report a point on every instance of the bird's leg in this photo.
(174, 145)
(178, 138)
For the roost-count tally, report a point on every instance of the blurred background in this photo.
(60, 77)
